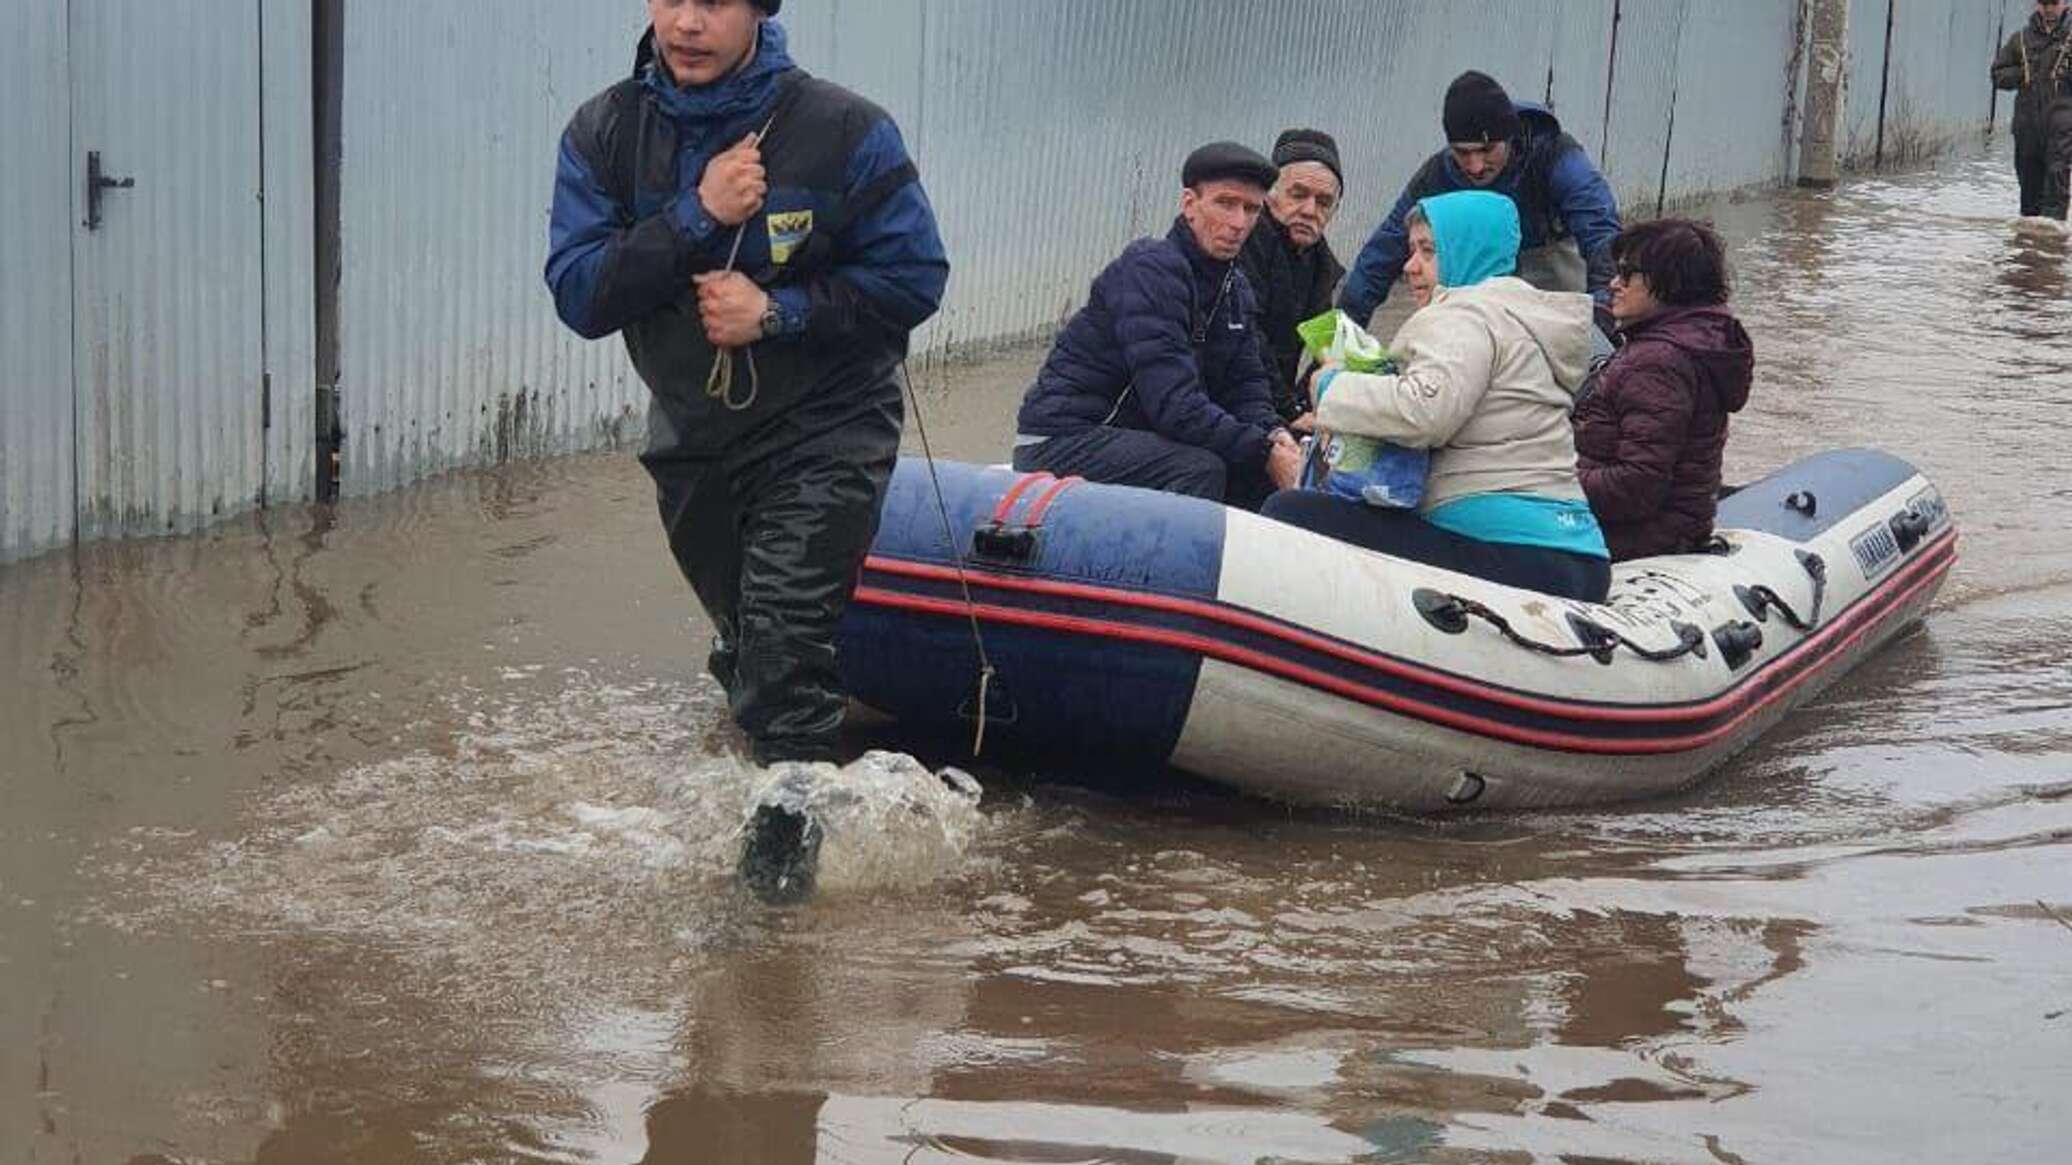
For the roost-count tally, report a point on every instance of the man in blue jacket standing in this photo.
(1160, 381)
(761, 240)
(1493, 143)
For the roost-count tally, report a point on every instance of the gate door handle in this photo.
(96, 182)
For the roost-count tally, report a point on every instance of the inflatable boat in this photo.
(1148, 627)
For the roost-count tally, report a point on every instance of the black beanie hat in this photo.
(1308, 145)
(1478, 110)
(1228, 160)
(769, 7)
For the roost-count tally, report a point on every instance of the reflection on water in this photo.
(399, 832)
(2032, 277)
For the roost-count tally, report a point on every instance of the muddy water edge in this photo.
(396, 832)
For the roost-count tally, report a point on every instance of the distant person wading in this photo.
(2036, 62)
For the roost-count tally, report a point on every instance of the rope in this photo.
(1608, 640)
(719, 382)
(949, 534)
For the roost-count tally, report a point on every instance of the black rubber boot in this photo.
(780, 851)
(780, 859)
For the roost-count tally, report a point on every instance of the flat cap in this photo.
(1228, 160)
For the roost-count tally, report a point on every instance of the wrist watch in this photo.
(773, 319)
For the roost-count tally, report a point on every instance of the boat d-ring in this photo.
(1440, 609)
(1803, 502)
(1467, 789)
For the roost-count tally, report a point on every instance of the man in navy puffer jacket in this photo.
(1160, 381)
(762, 242)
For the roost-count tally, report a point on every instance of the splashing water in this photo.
(886, 821)
(544, 826)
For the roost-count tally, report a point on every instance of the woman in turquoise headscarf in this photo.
(1489, 370)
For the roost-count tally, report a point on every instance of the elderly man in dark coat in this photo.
(1289, 262)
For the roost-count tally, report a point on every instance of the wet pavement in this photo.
(399, 833)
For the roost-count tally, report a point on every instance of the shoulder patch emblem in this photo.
(788, 232)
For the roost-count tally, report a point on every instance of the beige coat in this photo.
(1489, 378)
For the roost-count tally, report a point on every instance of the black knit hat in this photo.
(1308, 145)
(769, 7)
(1478, 110)
(1228, 160)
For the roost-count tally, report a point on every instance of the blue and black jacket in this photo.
(1559, 192)
(1168, 342)
(846, 242)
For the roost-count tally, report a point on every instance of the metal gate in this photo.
(168, 378)
(133, 290)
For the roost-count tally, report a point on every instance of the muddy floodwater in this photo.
(399, 832)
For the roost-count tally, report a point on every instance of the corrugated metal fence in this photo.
(36, 478)
(449, 350)
(1048, 134)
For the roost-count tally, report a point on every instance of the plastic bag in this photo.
(1360, 469)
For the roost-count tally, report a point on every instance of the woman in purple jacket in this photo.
(1649, 439)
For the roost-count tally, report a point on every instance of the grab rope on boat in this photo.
(949, 534)
(1450, 613)
(719, 382)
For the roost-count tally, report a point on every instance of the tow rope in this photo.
(949, 534)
